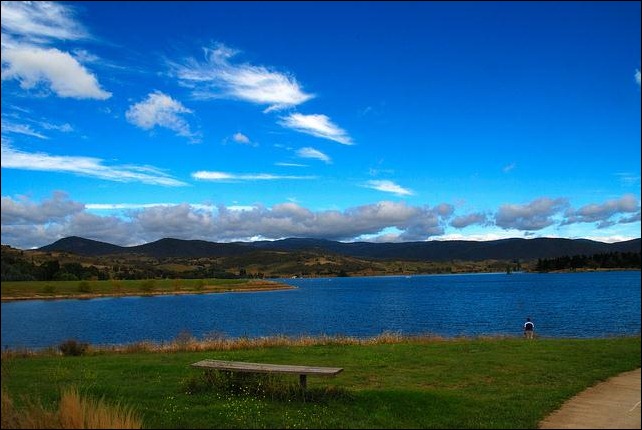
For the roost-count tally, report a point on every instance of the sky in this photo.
(128, 122)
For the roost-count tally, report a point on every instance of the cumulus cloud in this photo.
(160, 110)
(234, 177)
(220, 223)
(86, 166)
(27, 224)
(313, 153)
(23, 211)
(388, 187)
(241, 138)
(533, 216)
(604, 213)
(470, 219)
(218, 77)
(57, 70)
(27, 29)
(316, 125)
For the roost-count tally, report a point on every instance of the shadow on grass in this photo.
(261, 385)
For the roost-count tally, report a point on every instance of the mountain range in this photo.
(504, 249)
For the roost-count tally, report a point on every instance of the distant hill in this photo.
(162, 248)
(505, 249)
(189, 249)
(82, 246)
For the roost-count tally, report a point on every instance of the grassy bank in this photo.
(24, 290)
(387, 382)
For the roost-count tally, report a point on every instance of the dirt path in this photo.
(612, 404)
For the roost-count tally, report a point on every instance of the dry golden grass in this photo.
(74, 412)
(218, 342)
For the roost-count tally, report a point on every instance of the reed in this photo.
(74, 412)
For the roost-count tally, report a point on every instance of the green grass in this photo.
(68, 289)
(412, 383)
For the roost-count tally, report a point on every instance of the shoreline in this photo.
(89, 296)
(269, 285)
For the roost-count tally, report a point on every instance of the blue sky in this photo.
(127, 122)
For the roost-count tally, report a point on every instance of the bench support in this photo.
(303, 380)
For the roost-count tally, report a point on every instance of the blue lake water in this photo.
(596, 304)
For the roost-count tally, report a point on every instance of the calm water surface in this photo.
(595, 304)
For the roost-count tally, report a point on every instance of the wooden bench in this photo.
(240, 366)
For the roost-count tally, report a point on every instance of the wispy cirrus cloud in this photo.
(388, 187)
(27, 30)
(316, 125)
(161, 110)
(86, 166)
(219, 77)
(234, 177)
(308, 152)
(25, 129)
(41, 21)
(509, 167)
(284, 164)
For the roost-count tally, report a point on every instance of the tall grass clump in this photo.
(262, 386)
(72, 347)
(74, 412)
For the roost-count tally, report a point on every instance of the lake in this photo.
(574, 305)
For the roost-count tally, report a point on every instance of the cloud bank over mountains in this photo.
(28, 224)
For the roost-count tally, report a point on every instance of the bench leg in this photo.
(303, 381)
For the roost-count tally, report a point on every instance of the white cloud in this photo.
(316, 125)
(11, 127)
(85, 166)
(508, 167)
(27, 28)
(161, 110)
(115, 206)
(217, 77)
(313, 153)
(290, 164)
(388, 187)
(38, 21)
(637, 76)
(57, 70)
(232, 177)
(241, 138)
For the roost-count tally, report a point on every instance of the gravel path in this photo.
(612, 404)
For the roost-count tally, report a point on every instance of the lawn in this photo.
(405, 383)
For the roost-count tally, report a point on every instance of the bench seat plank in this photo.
(239, 366)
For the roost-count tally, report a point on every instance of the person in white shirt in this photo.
(529, 328)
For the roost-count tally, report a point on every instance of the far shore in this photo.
(207, 289)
